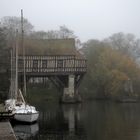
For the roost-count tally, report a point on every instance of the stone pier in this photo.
(69, 93)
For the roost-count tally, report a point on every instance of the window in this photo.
(59, 63)
(35, 63)
(44, 63)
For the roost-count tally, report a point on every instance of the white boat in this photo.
(22, 112)
(26, 114)
(16, 104)
(26, 117)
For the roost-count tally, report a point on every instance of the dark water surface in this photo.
(97, 120)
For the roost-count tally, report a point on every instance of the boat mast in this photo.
(12, 86)
(23, 53)
(16, 76)
(11, 78)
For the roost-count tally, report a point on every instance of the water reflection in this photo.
(61, 123)
(96, 120)
(73, 117)
(26, 131)
(112, 121)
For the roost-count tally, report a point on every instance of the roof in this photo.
(50, 47)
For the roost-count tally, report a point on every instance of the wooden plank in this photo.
(6, 131)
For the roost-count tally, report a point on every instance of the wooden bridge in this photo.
(52, 65)
(65, 70)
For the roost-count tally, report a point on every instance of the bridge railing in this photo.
(53, 64)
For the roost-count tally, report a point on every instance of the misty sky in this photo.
(89, 19)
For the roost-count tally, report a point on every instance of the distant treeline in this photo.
(113, 67)
(113, 63)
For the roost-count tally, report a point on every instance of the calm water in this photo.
(96, 120)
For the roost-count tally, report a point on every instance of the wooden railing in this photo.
(53, 64)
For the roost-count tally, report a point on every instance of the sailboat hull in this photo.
(26, 117)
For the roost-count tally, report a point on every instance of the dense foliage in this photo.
(111, 72)
(4, 65)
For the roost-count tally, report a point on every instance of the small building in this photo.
(56, 59)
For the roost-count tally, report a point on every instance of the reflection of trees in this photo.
(51, 118)
(61, 122)
(108, 121)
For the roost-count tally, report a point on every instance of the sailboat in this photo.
(16, 104)
(24, 112)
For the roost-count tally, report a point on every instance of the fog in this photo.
(96, 19)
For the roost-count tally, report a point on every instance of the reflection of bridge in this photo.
(65, 69)
(62, 122)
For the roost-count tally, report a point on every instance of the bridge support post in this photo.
(70, 94)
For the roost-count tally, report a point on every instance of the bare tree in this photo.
(62, 33)
(13, 23)
(126, 43)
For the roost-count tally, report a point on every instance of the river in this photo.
(94, 120)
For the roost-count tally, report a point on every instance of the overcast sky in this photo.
(89, 19)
